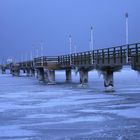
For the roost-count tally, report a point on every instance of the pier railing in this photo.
(114, 56)
(119, 55)
(26, 64)
(45, 60)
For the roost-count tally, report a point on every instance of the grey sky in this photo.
(27, 22)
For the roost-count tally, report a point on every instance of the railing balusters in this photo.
(137, 54)
(81, 58)
(89, 58)
(84, 58)
(98, 56)
(93, 57)
(121, 60)
(114, 55)
(103, 56)
(108, 53)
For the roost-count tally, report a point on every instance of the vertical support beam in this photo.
(114, 55)
(68, 60)
(32, 72)
(137, 53)
(46, 76)
(85, 60)
(103, 56)
(49, 76)
(37, 73)
(108, 80)
(64, 63)
(97, 56)
(11, 72)
(41, 74)
(74, 60)
(121, 57)
(24, 71)
(78, 59)
(83, 77)
(18, 72)
(3, 71)
(15, 72)
(28, 72)
(108, 53)
(93, 58)
(68, 75)
(81, 57)
(89, 57)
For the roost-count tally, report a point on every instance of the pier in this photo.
(106, 60)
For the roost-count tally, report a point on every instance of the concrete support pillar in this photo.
(16, 72)
(32, 72)
(41, 74)
(68, 75)
(83, 77)
(3, 71)
(49, 76)
(11, 71)
(108, 80)
(28, 72)
(24, 71)
(37, 73)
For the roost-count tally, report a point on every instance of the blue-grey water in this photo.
(31, 110)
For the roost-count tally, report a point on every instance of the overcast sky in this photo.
(25, 23)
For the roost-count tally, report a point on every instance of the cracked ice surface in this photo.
(31, 110)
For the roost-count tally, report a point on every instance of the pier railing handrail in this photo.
(123, 46)
(44, 60)
(89, 57)
(99, 56)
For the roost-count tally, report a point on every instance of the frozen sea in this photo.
(31, 110)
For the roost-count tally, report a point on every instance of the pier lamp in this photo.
(126, 28)
(91, 43)
(70, 45)
(127, 34)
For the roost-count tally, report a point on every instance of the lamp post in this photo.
(91, 37)
(126, 34)
(41, 48)
(126, 28)
(91, 43)
(70, 45)
(31, 55)
(37, 52)
(75, 48)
